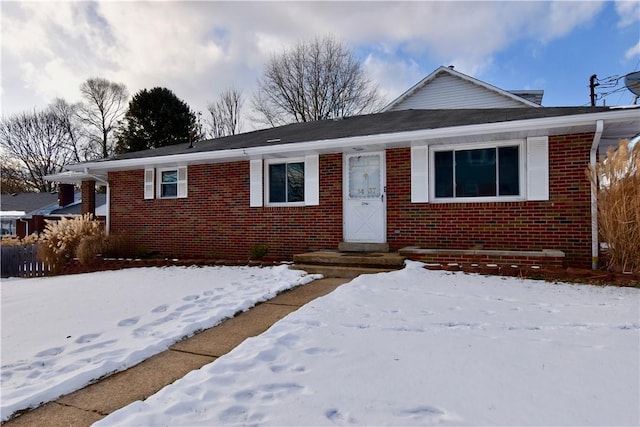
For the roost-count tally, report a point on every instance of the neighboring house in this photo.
(25, 213)
(503, 177)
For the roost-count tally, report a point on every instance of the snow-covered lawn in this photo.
(412, 347)
(417, 347)
(60, 333)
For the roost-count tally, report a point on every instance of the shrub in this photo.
(11, 241)
(61, 239)
(109, 246)
(259, 251)
(89, 248)
(617, 180)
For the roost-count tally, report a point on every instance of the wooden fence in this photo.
(21, 261)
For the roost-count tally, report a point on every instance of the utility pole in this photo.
(592, 87)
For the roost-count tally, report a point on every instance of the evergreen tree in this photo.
(156, 118)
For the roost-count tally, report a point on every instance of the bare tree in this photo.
(12, 176)
(40, 142)
(224, 117)
(314, 80)
(104, 104)
(67, 115)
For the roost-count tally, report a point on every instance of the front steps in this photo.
(363, 247)
(347, 264)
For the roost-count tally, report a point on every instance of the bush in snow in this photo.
(617, 180)
(60, 239)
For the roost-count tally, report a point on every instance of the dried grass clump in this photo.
(108, 246)
(61, 239)
(617, 182)
(11, 241)
(17, 241)
(89, 248)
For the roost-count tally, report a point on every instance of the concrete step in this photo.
(351, 259)
(336, 271)
(363, 247)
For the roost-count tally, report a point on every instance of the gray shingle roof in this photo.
(26, 202)
(371, 124)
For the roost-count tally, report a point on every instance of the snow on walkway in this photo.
(60, 333)
(418, 347)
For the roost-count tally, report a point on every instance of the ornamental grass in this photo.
(617, 184)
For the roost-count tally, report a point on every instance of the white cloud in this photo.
(628, 11)
(633, 51)
(199, 49)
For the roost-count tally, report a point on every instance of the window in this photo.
(286, 182)
(501, 171)
(171, 183)
(483, 172)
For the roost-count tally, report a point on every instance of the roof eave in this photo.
(546, 125)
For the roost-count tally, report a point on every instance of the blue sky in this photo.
(199, 49)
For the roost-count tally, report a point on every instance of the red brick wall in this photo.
(561, 223)
(215, 220)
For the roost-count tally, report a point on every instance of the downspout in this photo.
(107, 226)
(594, 196)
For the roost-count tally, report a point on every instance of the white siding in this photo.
(446, 91)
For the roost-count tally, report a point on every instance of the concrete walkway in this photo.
(96, 401)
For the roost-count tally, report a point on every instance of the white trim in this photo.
(542, 126)
(149, 183)
(183, 181)
(255, 183)
(457, 147)
(312, 180)
(420, 174)
(538, 168)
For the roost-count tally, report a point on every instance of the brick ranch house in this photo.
(452, 164)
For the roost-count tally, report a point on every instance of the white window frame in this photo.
(281, 161)
(522, 154)
(181, 185)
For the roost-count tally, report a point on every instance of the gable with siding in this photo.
(446, 88)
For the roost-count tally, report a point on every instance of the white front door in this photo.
(364, 198)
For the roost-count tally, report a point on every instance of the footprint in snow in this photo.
(50, 352)
(338, 417)
(98, 345)
(87, 338)
(160, 309)
(233, 414)
(129, 322)
(185, 307)
(428, 414)
(191, 298)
